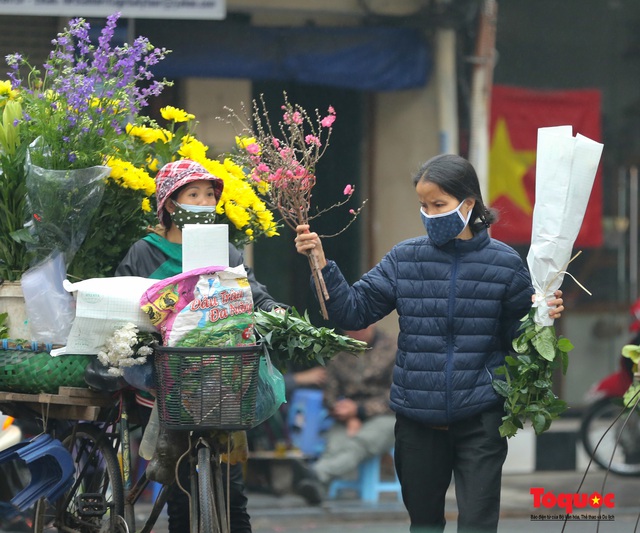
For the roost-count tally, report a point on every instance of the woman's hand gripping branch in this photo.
(309, 242)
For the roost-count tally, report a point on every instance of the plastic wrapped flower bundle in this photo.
(65, 119)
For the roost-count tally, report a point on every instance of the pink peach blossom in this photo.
(348, 190)
(327, 121)
(312, 139)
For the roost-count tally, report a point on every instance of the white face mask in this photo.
(196, 208)
(444, 227)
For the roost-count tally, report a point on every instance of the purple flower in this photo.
(85, 93)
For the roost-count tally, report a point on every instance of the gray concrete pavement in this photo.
(289, 513)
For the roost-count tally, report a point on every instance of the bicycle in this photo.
(104, 493)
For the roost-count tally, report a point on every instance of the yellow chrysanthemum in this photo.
(234, 169)
(243, 142)
(146, 205)
(153, 164)
(193, 149)
(176, 115)
(131, 177)
(236, 215)
(149, 135)
(7, 92)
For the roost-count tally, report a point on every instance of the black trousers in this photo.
(472, 451)
(178, 502)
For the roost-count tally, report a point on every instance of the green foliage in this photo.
(4, 328)
(14, 258)
(290, 337)
(630, 397)
(632, 351)
(528, 378)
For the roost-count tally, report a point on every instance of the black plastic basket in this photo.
(207, 388)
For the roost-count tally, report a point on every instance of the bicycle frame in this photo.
(133, 491)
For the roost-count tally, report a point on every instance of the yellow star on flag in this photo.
(595, 500)
(507, 168)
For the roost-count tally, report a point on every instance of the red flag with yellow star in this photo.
(516, 115)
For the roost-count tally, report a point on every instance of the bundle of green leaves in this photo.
(291, 339)
(4, 327)
(14, 257)
(528, 378)
(632, 396)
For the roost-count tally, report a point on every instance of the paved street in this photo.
(290, 514)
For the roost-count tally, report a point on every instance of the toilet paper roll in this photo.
(205, 245)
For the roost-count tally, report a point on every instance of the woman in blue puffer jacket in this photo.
(459, 295)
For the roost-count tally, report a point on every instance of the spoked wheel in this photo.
(95, 501)
(611, 436)
(208, 517)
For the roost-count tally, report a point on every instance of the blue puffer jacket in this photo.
(459, 307)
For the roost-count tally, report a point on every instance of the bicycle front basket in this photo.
(207, 388)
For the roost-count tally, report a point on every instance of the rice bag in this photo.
(211, 306)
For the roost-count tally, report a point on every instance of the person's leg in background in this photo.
(344, 452)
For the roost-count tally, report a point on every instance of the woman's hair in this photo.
(165, 217)
(457, 177)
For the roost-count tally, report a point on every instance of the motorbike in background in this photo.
(610, 432)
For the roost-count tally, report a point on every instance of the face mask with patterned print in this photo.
(443, 227)
(193, 214)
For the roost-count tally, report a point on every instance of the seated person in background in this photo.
(356, 394)
(274, 433)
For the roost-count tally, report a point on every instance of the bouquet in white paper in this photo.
(565, 171)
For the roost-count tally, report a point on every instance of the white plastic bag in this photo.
(103, 305)
(50, 308)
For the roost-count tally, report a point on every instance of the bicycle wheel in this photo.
(97, 494)
(208, 517)
(613, 445)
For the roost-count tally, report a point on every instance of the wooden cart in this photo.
(71, 403)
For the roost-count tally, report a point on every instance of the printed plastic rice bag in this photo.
(210, 306)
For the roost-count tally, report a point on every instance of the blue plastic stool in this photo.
(368, 485)
(307, 419)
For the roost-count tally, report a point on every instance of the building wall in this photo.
(405, 135)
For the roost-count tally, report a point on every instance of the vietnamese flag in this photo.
(516, 115)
